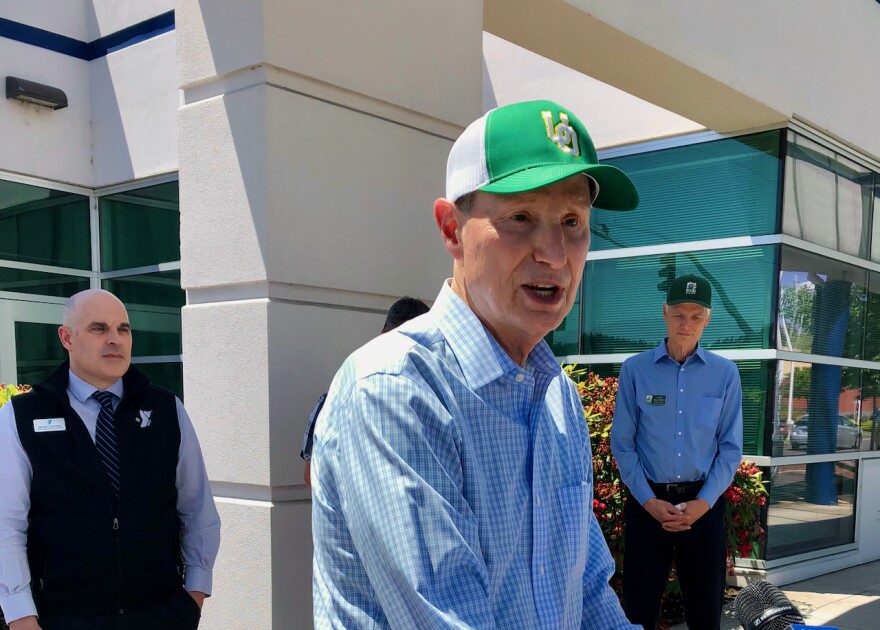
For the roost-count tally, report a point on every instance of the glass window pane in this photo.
(827, 198)
(39, 283)
(167, 375)
(565, 339)
(140, 227)
(818, 409)
(623, 299)
(153, 301)
(44, 227)
(38, 352)
(875, 237)
(811, 507)
(872, 318)
(701, 191)
(822, 305)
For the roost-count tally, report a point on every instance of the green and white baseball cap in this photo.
(524, 146)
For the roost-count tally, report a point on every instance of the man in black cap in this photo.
(400, 312)
(677, 439)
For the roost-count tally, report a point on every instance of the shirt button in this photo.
(679, 454)
(537, 500)
(520, 378)
(679, 432)
(678, 477)
(541, 569)
(681, 390)
(680, 411)
(682, 369)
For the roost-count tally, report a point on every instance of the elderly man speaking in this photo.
(453, 481)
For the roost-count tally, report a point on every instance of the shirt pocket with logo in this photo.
(574, 503)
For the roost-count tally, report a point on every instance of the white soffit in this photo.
(613, 117)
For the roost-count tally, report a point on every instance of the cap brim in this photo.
(616, 190)
(688, 301)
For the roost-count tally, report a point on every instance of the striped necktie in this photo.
(105, 439)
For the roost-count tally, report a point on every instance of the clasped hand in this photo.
(673, 519)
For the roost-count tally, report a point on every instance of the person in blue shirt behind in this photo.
(452, 474)
(677, 439)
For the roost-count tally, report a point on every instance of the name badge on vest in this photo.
(45, 425)
(655, 399)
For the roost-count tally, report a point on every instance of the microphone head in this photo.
(762, 606)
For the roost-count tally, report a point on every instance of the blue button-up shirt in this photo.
(677, 422)
(452, 488)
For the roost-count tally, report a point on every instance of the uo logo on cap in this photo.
(563, 134)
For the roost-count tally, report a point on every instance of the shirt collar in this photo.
(82, 391)
(662, 351)
(480, 356)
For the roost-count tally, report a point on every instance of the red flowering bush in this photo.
(746, 496)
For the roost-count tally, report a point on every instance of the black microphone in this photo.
(762, 606)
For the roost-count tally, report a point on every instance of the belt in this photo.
(672, 489)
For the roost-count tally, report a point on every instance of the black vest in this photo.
(88, 554)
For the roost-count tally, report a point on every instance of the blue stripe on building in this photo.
(87, 51)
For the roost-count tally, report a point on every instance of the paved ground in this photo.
(848, 600)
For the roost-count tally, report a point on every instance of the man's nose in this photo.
(550, 246)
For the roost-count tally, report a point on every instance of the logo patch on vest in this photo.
(563, 134)
(46, 425)
(143, 418)
(655, 399)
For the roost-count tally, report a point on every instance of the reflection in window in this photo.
(812, 507)
(623, 298)
(822, 305)
(167, 375)
(39, 283)
(819, 409)
(38, 352)
(827, 198)
(44, 227)
(701, 191)
(140, 227)
(153, 301)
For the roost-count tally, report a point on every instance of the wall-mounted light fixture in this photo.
(37, 93)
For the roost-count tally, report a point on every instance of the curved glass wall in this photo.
(828, 198)
(622, 310)
(822, 305)
(801, 316)
(701, 191)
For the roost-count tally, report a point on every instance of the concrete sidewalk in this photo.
(847, 599)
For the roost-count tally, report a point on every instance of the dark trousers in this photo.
(700, 558)
(177, 612)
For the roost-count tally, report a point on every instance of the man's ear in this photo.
(449, 222)
(64, 336)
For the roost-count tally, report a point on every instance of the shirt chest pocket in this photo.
(708, 414)
(574, 501)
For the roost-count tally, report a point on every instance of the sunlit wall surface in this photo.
(783, 228)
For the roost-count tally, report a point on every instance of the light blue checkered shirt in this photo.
(452, 488)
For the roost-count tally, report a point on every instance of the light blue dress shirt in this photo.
(200, 523)
(453, 489)
(678, 422)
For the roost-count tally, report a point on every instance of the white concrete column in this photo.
(312, 142)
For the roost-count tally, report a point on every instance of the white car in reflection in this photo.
(848, 433)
